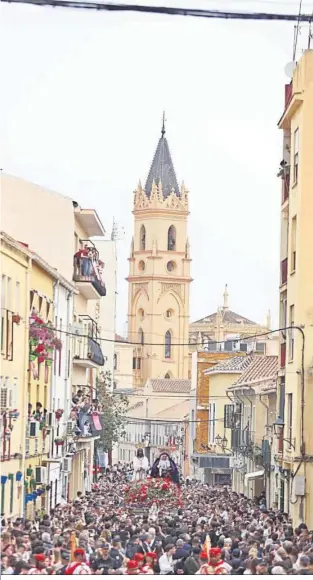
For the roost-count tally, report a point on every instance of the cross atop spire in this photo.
(163, 125)
(162, 168)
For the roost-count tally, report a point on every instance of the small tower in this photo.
(225, 295)
(159, 273)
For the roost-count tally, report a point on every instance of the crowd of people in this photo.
(215, 531)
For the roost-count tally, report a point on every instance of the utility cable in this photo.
(193, 12)
(189, 344)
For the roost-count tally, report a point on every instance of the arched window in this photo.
(171, 238)
(141, 337)
(167, 376)
(142, 237)
(168, 344)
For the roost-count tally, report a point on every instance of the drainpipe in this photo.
(267, 475)
(26, 380)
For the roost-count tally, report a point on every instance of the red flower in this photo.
(41, 359)
(165, 487)
(40, 348)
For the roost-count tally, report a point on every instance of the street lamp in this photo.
(221, 442)
(279, 427)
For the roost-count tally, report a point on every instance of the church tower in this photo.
(159, 274)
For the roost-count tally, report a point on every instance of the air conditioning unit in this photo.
(77, 329)
(67, 464)
(41, 474)
(70, 427)
(50, 419)
(33, 429)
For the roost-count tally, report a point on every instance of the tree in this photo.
(113, 412)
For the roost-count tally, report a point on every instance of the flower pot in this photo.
(33, 342)
(32, 357)
(49, 362)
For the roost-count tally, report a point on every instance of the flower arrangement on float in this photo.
(42, 341)
(153, 491)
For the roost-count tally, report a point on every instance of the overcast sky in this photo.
(81, 113)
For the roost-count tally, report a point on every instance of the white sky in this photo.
(81, 114)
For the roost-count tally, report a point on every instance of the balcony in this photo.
(283, 271)
(88, 272)
(283, 355)
(85, 415)
(87, 353)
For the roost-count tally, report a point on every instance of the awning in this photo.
(254, 475)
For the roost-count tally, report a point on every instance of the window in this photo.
(169, 313)
(141, 266)
(167, 376)
(47, 309)
(291, 332)
(293, 243)
(171, 266)
(295, 156)
(283, 310)
(115, 362)
(142, 237)
(31, 299)
(3, 291)
(134, 363)
(8, 296)
(40, 301)
(17, 297)
(289, 432)
(141, 336)
(168, 344)
(171, 239)
(139, 363)
(228, 416)
(212, 419)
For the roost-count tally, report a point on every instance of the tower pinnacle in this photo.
(225, 305)
(163, 125)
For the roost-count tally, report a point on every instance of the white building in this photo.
(61, 391)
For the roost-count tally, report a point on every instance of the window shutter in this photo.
(282, 400)
(228, 416)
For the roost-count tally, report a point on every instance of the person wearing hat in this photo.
(217, 563)
(79, 565)
(65, 557)
(39, 565)
(132, 568)
(205, 567)
(103, 563)
(140, 559)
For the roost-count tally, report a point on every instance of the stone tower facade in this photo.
(159, 274)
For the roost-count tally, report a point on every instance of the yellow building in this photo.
(295, 410)
(226, 325)
(15, 286)
(159, 273)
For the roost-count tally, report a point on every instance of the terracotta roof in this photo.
(226, 316)
(262, 368)
(236, 364)
(170, 385)
(119, 338)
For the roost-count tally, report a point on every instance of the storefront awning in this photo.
(254, 475)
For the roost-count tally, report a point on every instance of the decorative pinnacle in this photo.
(163, 125)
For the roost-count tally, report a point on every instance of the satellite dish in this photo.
(290, 68)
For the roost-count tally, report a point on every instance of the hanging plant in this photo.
(49, 362)
(16, 319)
(42, 339)
(58, 414)
(59, 441)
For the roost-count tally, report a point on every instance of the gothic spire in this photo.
(162, 169)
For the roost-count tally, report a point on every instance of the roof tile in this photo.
(236, 364)
(262, 368)
(170, 385)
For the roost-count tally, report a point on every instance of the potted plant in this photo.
(16, 319)
(59, 441)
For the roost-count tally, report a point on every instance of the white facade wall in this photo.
(61, 395)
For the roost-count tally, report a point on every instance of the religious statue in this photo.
(140, 465)
(164, 466)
